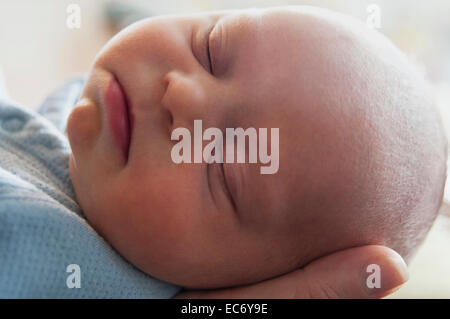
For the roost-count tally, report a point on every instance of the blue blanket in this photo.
(47, 248)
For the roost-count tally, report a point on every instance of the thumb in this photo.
(348, 273)
(362, 272)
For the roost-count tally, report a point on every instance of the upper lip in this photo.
(118, 108)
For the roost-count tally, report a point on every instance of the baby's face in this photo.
(195, 224)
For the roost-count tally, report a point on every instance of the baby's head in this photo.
(361, 150)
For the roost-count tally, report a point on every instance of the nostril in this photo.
(167, 80)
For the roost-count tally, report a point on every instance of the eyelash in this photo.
(224, 183)
(208, 53)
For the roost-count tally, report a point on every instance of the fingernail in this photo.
(386, 275)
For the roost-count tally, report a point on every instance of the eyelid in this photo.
(220, 48)
(208, 48)
(222, 181)
(227, 188)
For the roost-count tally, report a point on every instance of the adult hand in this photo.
(340, 275)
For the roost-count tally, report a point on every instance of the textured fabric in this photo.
(57, 106)
(42, 229)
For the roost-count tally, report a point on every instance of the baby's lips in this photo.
(116, 108)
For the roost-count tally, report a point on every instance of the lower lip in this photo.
(118, 116)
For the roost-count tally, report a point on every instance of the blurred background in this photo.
(39, 52)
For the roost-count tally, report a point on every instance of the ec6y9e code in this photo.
(246, 308)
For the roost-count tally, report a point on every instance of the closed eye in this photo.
(208, 51)
(216, 173)
(227, 189)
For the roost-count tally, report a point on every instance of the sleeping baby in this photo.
(361, 150)
(342, 149)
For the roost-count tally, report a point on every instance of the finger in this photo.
(361, 272)
(343, 274)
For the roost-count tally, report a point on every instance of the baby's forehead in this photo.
(295, 22)
(283, 43)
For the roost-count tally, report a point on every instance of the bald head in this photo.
(361, 151)
(369, 152)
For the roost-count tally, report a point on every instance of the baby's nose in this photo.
(184, 98)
